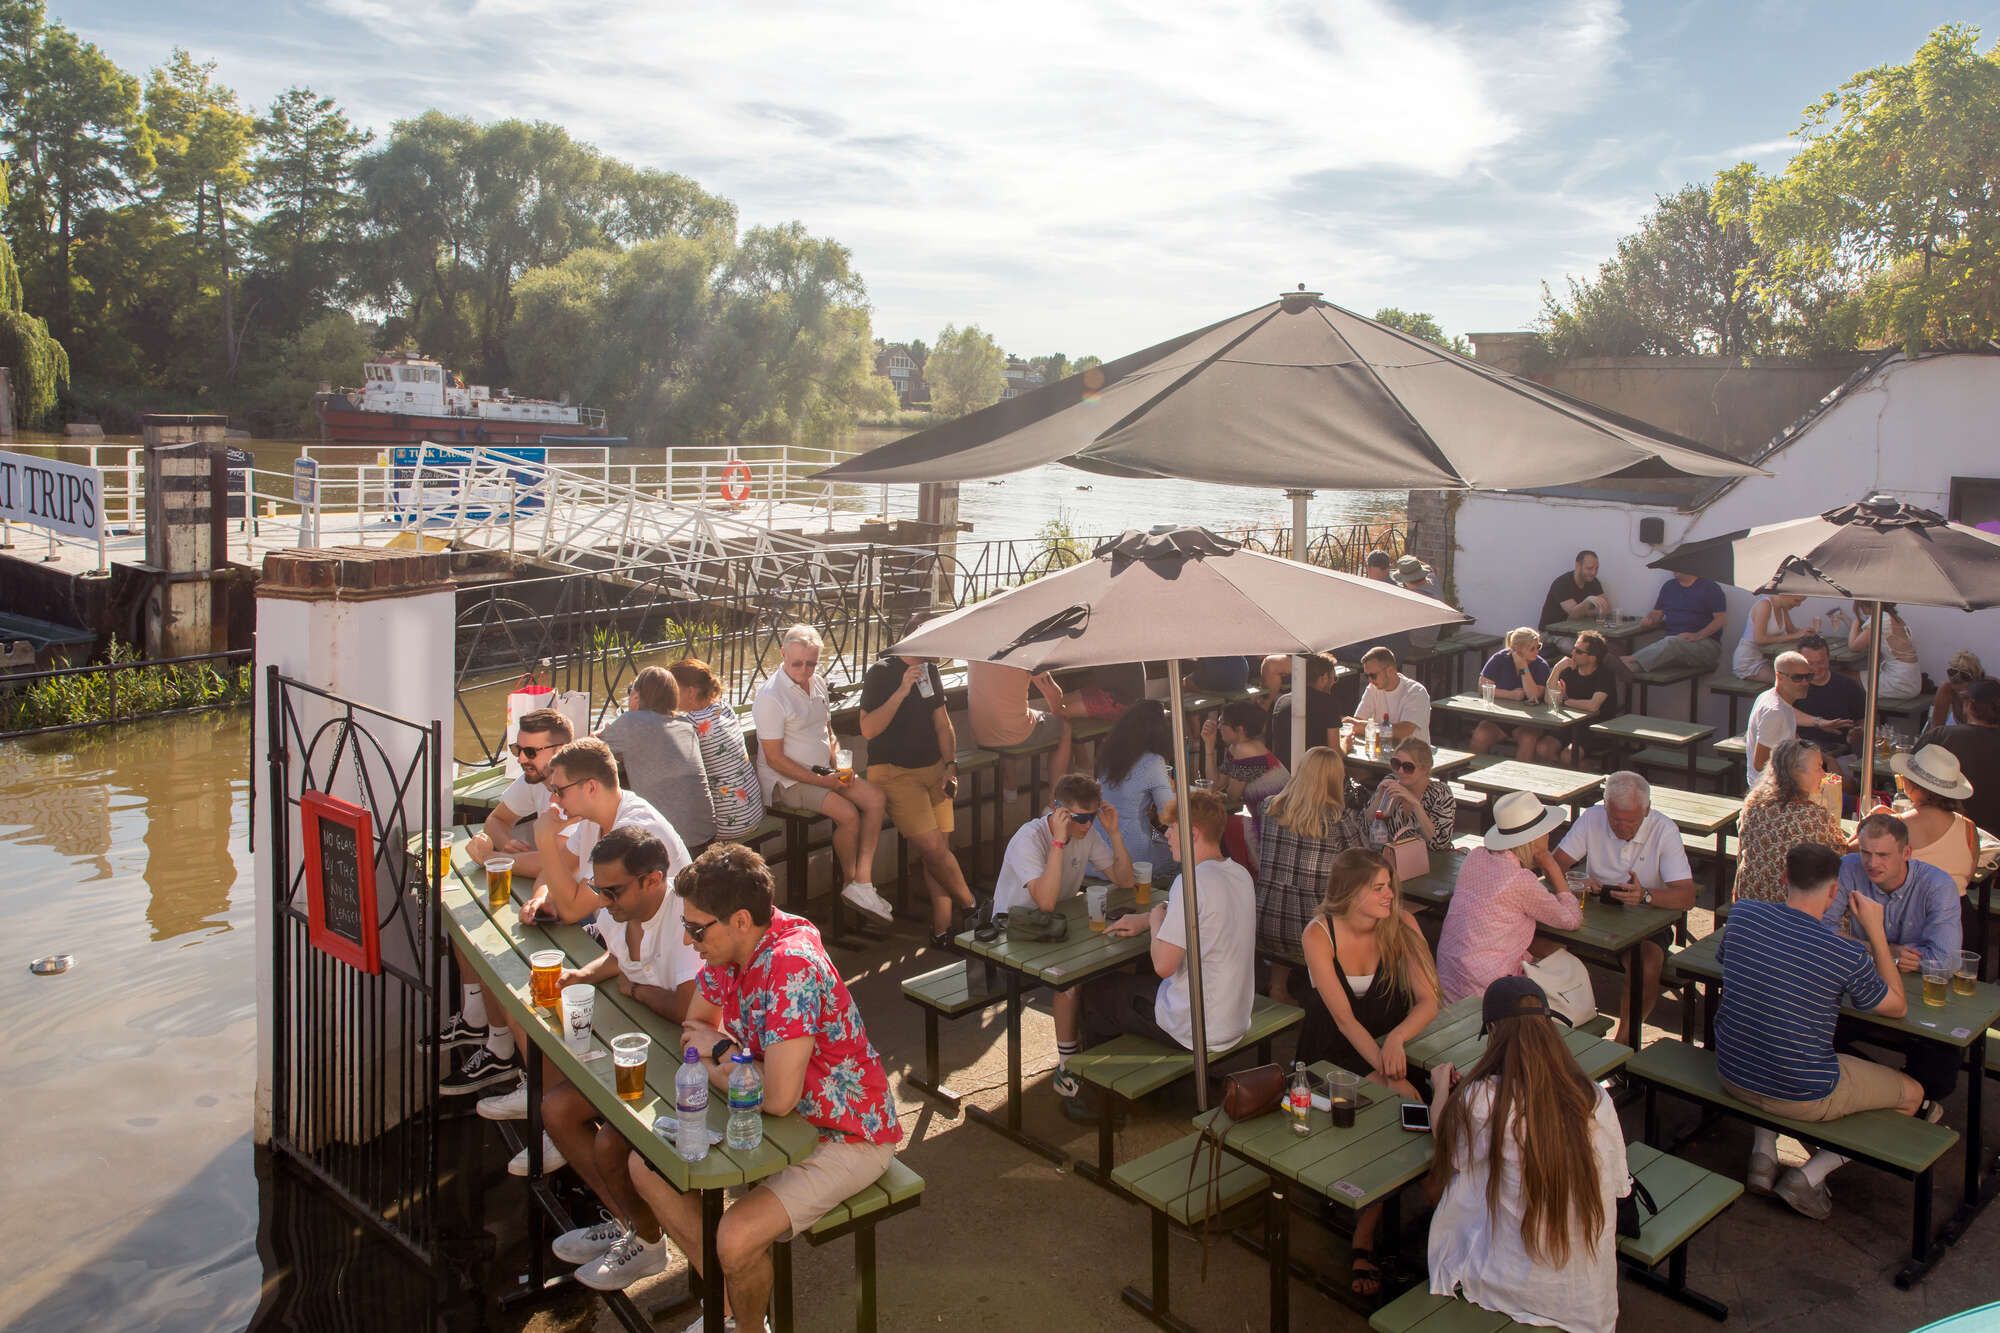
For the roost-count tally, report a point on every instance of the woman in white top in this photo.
(1769, 622)
(1528, 1167)
(1901, 677)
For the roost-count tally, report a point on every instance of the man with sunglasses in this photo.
(1045, 863)
(769, 989)
(647, 955)
(1773, 717)
(1405, 703)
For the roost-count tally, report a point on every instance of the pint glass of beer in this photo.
(499, 881)
(1965, 981)
(1937, 983)
(628, 1065)
(546, 965)
(1142, 883)
(843, 765)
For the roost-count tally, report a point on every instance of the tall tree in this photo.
(201, 143)
(966, 371)
(1676, 286)
(1892, 206)
(304, 174)
(78, 143)
(1420, 324)
(39, 363)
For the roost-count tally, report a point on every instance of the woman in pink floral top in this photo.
(1782, 812)
(1497, 900)
(768, 988)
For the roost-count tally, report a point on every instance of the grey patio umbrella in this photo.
(1297, 394)
(1880, 550)
(1174, 594)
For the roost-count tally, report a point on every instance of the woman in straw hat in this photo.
(1935, 785)
(1498, 899)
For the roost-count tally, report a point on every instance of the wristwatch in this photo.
(1645, 897)
(715, 1051)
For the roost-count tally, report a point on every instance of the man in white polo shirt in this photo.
(1774, 717)
(1392, 695)
(1635, 858)
(648, 956)
(794, 738)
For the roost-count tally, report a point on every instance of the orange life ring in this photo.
(736, 481)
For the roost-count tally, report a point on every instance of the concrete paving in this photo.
(1005, 1240)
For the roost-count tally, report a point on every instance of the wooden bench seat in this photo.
(1709, 767)
(1173, 1184)
(951, 991)
(1902, 1145)
(898, 1190)
(1130, 1067)
(1419, 1311)
(1691, 676)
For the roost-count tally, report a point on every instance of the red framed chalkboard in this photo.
(340, 880)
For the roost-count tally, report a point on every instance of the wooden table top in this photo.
(1659, 731)
(1956, 1022)
(1614, 630)
(1444, 760)
(1514, 712)
(1563, 786)
(1697, 812)
(497, 946)
(1454, 1036)
(1064, 963)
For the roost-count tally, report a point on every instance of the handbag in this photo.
(1564, 979)
(1630, 1221)
(1251, 1092)
(1033, 925)
(1410, 856)
(1245, 1095)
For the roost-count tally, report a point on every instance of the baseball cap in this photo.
(1514, 997)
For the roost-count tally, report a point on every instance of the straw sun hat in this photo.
(1519, 818)
(1936, 770)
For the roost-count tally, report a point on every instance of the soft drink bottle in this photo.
(691, 1107)
(1299, 1099)
(746, 1103)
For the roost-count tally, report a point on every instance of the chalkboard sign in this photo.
(340, 880)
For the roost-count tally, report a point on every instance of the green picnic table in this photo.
(1558, 786)
(1617, 630)
(1454, 1036)
(1704, 815)
(1059, 964)
(496, 946)
(1636, 732)
(481, 789)
(1564, 722)
(1444, 761)
(1960, 1022)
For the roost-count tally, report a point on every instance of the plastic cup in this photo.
(1937, 983)
(1343, 1097)
(843, 765)
(1142, 883)
(579, 1008)
(499, 881)
(628, 1065)
(1486, 690)
(1093, 899)
(1965, 981)
(439, 863)
(545, 967)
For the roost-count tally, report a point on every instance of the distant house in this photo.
(1020, 378)
(899, 365)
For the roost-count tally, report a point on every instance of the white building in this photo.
(1924, 430)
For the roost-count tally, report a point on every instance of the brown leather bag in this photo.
(1253, 1091)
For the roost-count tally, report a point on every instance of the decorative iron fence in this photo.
(595, 632)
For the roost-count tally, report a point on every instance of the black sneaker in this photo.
(455, 1033)
(943, 940)
(481, 1069)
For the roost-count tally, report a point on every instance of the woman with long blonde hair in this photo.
(1373, 988)
(1316, 816)
(1527, 1168)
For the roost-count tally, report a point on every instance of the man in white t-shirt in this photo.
(583, 785)
(650, 961)
(794, 722)
(1154, 1002)
(1773, 717)
(1634, 857)
(1393, 695)
(1045, 864)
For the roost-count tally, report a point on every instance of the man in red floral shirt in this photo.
(769, 987)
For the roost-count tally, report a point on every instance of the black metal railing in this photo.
(354, 1087)
(34, 703)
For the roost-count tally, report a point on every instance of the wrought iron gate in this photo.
(354, 1090)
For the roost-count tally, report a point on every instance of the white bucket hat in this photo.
(1518, 818)
(1935, 769)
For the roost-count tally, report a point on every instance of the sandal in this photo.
(1363, 1271)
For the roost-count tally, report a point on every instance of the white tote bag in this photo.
(1563, 977)
(531, 695)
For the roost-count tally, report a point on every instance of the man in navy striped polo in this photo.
(1785, 973)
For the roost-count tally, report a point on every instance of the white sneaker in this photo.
(587, 1243)
(1762, 1175)
(728, 1323)
(552, 1161)
(864, 899)
(628, 1260)
(505, 1105)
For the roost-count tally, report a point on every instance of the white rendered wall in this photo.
(391, 653)
(1907, 431)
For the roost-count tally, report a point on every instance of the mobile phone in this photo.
(1416, 1117)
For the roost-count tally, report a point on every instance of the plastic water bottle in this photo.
(746, 1103)
(691, 1107)
(1299, 1100)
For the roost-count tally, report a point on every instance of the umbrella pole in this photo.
(1868, 716)
(1189, 916)
(1298, 499)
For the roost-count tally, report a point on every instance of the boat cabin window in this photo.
(407, 374)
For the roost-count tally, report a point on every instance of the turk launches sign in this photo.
(61, 497)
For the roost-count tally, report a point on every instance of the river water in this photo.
(132, 1196)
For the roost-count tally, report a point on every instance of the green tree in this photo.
(1890, 211)
(966, 370)
(304, 173)
(40, 366)
(1051, 368)
(325, 351)
(1676, 286)
(78, 143)
(1419, 324)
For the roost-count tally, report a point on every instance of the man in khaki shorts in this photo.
(768, 988)
(1785, 974)
(912, 748)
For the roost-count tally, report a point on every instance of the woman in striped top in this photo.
(739, 803)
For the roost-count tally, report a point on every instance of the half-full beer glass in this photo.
(546, 965)
(499, 881)
(628, 1065)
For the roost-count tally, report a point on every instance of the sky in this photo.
(1096, 176)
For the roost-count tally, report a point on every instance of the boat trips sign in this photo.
(61, 497)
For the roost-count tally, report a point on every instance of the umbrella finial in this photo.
(1297, 300)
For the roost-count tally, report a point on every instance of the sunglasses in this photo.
(1081, 818)
(1960, 676)
(1402, 766)
(695, 932)
(559, 788)
(1797, 676)
(611, 891)
(530, 751)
